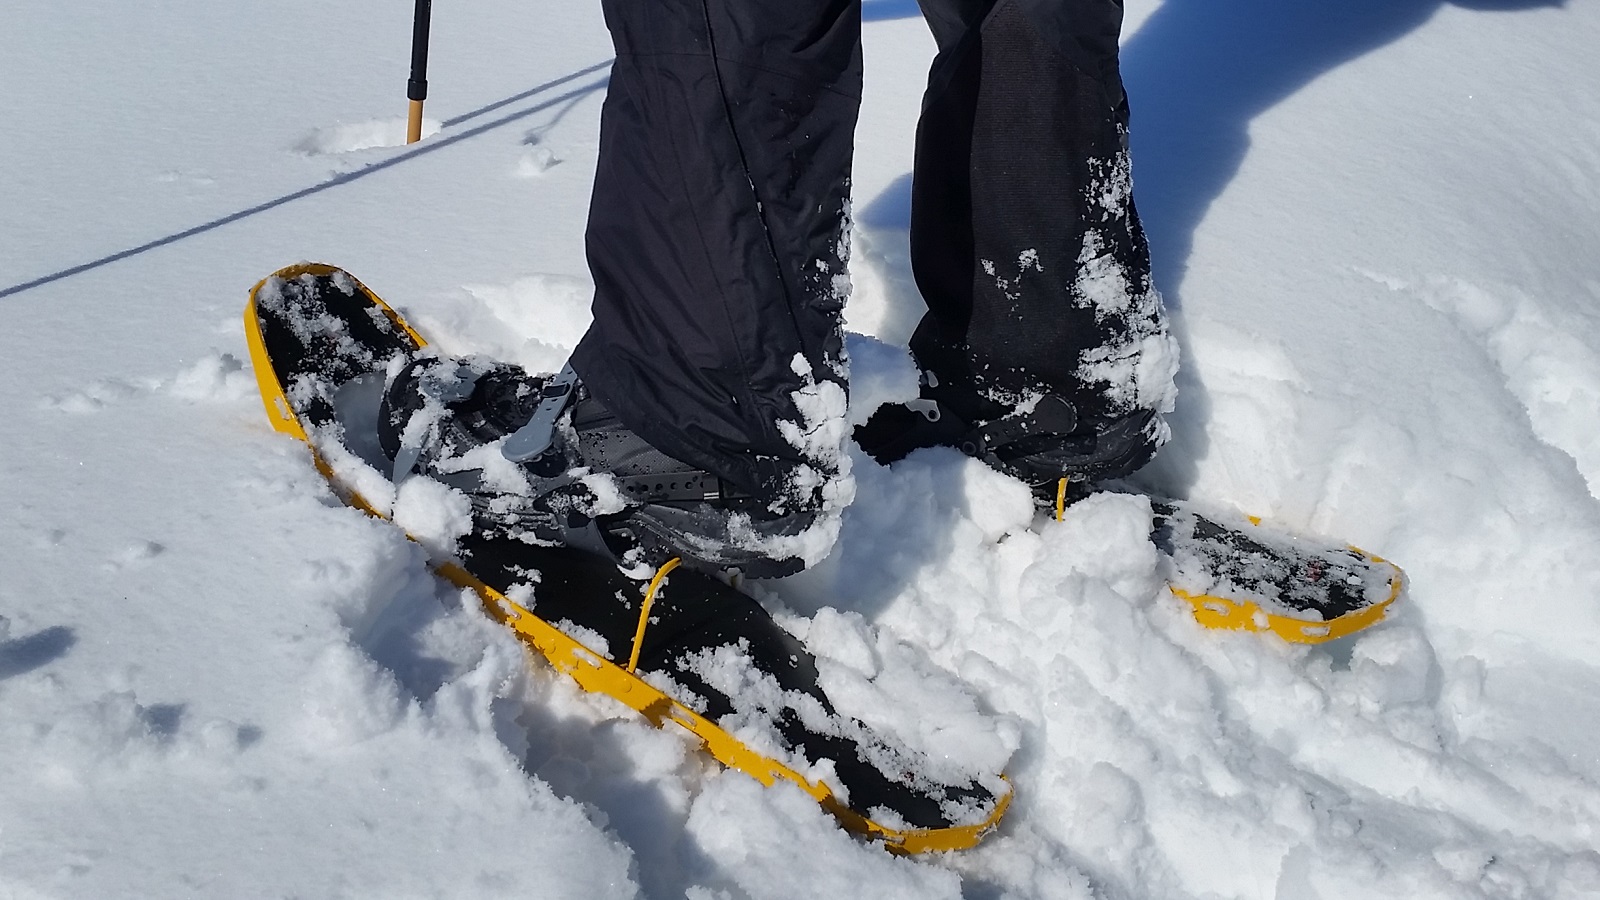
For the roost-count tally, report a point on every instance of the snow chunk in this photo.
(1140, 373)
(434, 513)
(496, 473)
(894, 690)
(351, 472)
(821, 436)
(348, 699)
(823, 428)
(593, 640)
(879, 373)
(215, 377)
(997, 503)
(1102, 280)
(605, 495)
(843, 638)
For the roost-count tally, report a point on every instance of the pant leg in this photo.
(1024, 238)
(717, 227)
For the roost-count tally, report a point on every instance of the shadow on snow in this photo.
(430, 145)
(1199, 71)
(23, 655)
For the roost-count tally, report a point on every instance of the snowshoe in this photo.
(340, 370)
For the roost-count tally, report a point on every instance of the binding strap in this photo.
(534, 439)
(644, 611)
(1050, 415)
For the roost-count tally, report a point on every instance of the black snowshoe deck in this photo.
(318, 337)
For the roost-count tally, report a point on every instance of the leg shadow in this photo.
(1198, 72)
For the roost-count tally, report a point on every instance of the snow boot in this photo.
(541, 458)
(1040, 441)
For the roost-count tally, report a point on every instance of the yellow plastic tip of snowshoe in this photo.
(278, 412)
(593, 671)
(272, 394)
(941, 840)
(1224, 614)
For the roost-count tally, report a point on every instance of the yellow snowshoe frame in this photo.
(1242, 615)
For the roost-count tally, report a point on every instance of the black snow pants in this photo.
(718, 230)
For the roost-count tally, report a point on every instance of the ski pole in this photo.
(417, 87)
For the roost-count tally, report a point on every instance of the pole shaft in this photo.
(417, 87)
(414, 122)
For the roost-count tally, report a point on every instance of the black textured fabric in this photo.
(716, 225)
(1023, 124)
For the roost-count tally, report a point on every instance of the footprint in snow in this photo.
(535, 158)
(93, 398)
(215, 377)
(174, 176)
(135, 553)
(534, 162)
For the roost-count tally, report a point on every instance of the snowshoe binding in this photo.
(1039, 443)
(541, 454)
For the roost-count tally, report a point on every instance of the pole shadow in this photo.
(431, 145)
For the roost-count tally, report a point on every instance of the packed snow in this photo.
(1373, 224)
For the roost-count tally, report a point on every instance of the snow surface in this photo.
(1373, 221)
